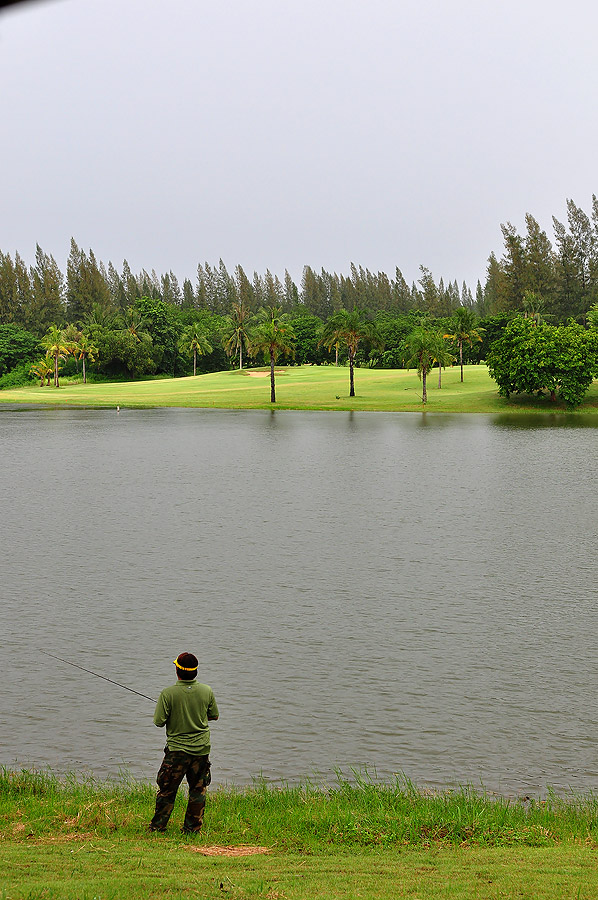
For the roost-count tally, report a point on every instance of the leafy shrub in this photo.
(17, 347)
(17, 377)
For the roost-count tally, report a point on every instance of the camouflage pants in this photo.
(176, 766)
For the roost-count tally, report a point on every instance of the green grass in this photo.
(136, 870)
(85, 839)
(301, 387)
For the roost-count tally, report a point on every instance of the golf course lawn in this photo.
(301, 387)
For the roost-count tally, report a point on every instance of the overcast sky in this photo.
(278, 133)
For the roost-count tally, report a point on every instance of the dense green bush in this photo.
(533, 358)
(17, 377)
(16, 346)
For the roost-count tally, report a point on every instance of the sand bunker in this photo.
(241, 850)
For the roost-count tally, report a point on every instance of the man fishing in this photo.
(185, 709)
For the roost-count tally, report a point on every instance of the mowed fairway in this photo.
(300, 387)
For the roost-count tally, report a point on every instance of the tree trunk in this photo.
(240, 356)
(351, 374)
(84, 373)
(336, 357)
(439, 376)
(56, 371)
(272, 385)
(424, 389)
(194, 361)
(461, 357)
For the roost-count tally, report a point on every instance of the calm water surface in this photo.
(404, 592)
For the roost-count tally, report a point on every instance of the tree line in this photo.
(130, 325)
(558, 279)
(154, 337)
(528, 355)
(41, 295)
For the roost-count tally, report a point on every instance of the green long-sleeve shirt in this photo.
(186, 708)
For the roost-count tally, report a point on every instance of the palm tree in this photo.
(464, 331)
(100, 317)
(36, 369)
(422, 346)
(236, 331)
(57, 347)
(193, 340)
(83, 350)
(133, 322)
(272, 336)
(70, 336)
(44, 369)
(350, 328)
(442, 355)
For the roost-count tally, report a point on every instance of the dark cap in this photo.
(186, 661)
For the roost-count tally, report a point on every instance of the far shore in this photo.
(302, 388)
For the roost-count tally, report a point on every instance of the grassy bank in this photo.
(301, 387)
(84, 839)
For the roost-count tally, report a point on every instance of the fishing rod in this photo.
(117, 683)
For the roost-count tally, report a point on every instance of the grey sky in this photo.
(278, 133)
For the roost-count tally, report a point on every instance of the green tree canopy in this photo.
(160, 321)
(16, 346)
(120, 353)
(533, 358)
(308, 331)
(86, 285)
(46, 305)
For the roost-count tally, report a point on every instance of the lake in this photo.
(408, 593)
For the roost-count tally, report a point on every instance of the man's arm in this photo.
(212, 710)
(162, 711)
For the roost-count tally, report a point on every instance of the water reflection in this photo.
(546, 420)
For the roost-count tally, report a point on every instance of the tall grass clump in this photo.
(35, 803)
(355, 812)
(362, 812)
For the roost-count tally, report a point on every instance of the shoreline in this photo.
(561, 416)
(316, 783)
(466, 812)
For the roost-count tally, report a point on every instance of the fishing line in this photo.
(117, 683)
